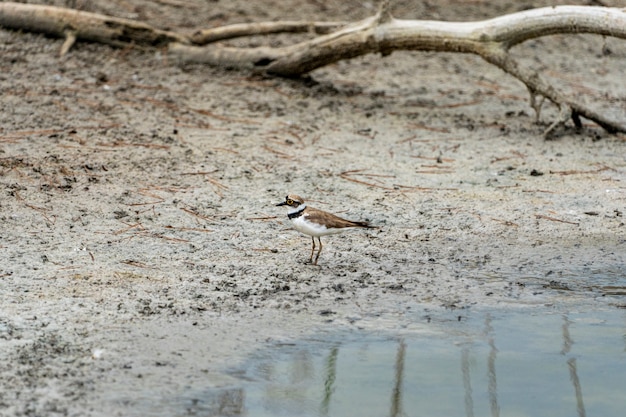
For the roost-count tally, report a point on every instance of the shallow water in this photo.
(523, 363)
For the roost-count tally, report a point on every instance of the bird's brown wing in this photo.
(330, 220)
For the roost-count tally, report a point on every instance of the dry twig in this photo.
(553, 219)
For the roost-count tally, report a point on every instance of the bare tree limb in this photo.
(372, 35)
(58, 21)
(206, 36)
(70, 40)
(490, 39)
(538, 85)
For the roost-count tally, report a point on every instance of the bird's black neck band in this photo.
(296, 213)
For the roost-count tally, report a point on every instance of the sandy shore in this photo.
(141, 248)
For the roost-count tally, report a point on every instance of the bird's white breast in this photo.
(302, 225)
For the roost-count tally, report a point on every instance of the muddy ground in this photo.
(141, 251)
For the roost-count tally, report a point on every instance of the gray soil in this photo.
(141, 250)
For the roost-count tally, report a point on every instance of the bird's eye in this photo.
(289, 202)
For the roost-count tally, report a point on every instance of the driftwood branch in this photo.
(206, 36)
(490, 39)
(63, 23)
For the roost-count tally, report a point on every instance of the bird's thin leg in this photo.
(312, 249)
(319, 239)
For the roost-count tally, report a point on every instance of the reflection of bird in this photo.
(316, 223)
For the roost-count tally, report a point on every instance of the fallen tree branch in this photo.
(63, 23)
(490, 39)
(537, 85)
(377, 35)
(206, 36)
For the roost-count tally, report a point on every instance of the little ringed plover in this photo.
(316, 223)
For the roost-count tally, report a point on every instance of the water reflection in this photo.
(329, 381)
(491, 368)
(571, 363)
(467, 381)
(517, 364)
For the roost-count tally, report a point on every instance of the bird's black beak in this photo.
(281, 204)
